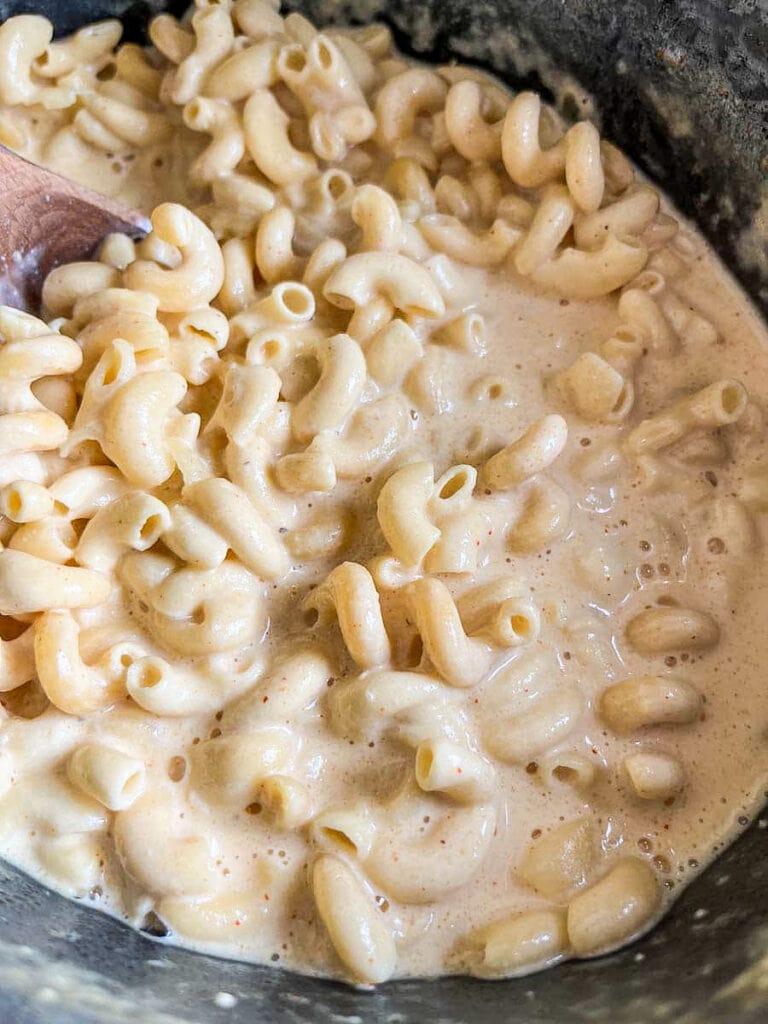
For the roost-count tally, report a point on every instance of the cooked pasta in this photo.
(380, 537)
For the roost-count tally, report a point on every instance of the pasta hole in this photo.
(325, 56)
(339, 839)
(107, 73)
(198, 616)
(151, 529)
(337, 185)
(14, 503)
(126, 660)
(415, 652)
(565, 774)
(495, 392)
(667, 601)
(11, 628)
(311, 617)
(27, 701)
(453, 485)
(177, 769)
(297, 301)
(521, 625)
(295, 60)
(150, 676)
(731, 398)
(425, 759)
(132, 786)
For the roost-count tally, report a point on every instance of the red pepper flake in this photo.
(237, 922)
(266, 896)
(264, 699)
(594, 750)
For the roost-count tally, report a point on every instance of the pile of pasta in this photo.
(215, 426)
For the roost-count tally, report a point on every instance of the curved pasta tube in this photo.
(532, 453)
(26, 425)
(525, 161)
(52, 539)
(17, 661)
(30, 584)
(265, 125)
(229, 768)
(182, 865)
(377, 215)
(529, 941)
(286, 800)
(422, 867)
(649, 700)
(134, 521)
(583, 166)
(24, 39)
(355, 924)
(549, 720)
(213, 38)
(72, 686)
(144, 333)
(51, 805)
(171, 692)
(545, 518)
(303, 472)
(654, 776)
(111, 777)
(374, 434)
(35, 431)
(551, 223)
(197, 279)
(275, 257)
(226, 917)
(225, 508)
(126, 122)
(362, 706)
(564, 860)
(135, 426)
(409, 181)
(579, 274)
(328, 403)
(470, 133)
(251, 68)
(459, 659)
(451, 769)
(318, 75)
(402, 512)
(291, 689)
(615, 909)
(227, 146)
(716, 405)
(401, 100)
(657, 630)
(80, 493)
(350, 593)
(596, 390)
(249, 396)
(630, 214)
(448, 235)
(193, 612)
(361, 278)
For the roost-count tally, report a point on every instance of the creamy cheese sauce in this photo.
(642, 532)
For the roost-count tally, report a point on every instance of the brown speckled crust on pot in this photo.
(682, 85)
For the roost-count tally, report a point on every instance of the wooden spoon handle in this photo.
(46, 220)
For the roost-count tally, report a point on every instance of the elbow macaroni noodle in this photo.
(399, 491)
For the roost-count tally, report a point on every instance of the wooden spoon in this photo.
(46, 220)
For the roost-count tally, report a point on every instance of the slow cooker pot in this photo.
(682, 86)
